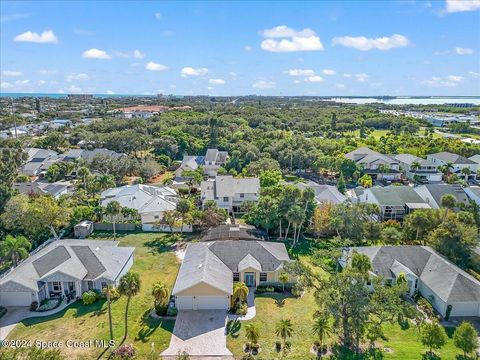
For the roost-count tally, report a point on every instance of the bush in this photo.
(126, 351)
(297, 290)
(288, 344)
(89, 297)
(160, 309)
(3, 311)
(241, 310)
(114, 294)
(273, 286)
(49, 304)
(33, 306)
(172, 311)
(278, 345)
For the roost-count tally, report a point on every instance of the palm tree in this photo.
(308, 195)
(184, 206)
(15, 248)
(415, 166)
(159, 292)
(129, 286)
(448, 201)
(240, 291)
(466, 172)
(284, 329)
(113, 209)
(322, 328)
(252, 333)
(105, 182)
(283, 279)
(83, 172)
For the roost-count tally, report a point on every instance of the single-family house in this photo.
(151, 202)
(324, 194)
(473, 192)
(230, 193)
(439, 281)
(457, 162)
(38, 161)
(432, 193)
(211, 162)
(209, 269)
(394, 201)
(378, 166)
(55, 189)
(422, 170)
(89, 155)
(63, 267)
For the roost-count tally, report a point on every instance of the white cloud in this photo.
(474, 73)
(12, 73)
(364, 44)
(5, 85)
(362, 77)
(74, 89)
(158, 16)
(455, 78)
(314, 78)
(110, 92)
(96, 54)
(74, 76)
(248, 48)
(340, 86)
(22, 82)
(47, 72)
(463, 51)
(137, 54)
(347, 75)
(152, 66)
(462, 5)
(42, 82)
(284, 39)
(329, 72)
(46, 37)
(216, 81)
(262, 84)
(300, 72)
(448, 81)
(189, 71)
(296, 81)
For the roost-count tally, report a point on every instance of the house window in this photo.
(242, 195)
(263, 276)
(236, 276)
(225, 198)
(89, 285)
(104, 284)
(156, 217)
(57, 286)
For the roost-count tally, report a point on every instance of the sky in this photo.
(329, 48)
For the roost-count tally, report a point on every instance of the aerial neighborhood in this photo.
(246, 180)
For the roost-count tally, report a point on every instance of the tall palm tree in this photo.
(466, 172)
(252, 333)
(415, 166)
(113, 209)
(15, 248)
(159, 292)
(447, 201)
(284, 329)
(83, 173)
(308, 195)
(105, 182)
(129, 286)
(283, 279)
(240, 291)
(322, 328)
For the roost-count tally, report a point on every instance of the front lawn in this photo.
(154, 262)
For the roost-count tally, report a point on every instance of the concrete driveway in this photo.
(13, 316)
(199, 333)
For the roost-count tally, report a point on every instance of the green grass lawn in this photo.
(154, 262)
(377, 134)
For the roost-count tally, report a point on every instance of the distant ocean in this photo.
(59, 96)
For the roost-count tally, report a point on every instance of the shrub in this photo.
(288, 344)
(49, 304)
(33, 306)
(241, 310)
(3, 311)
(278, 345)
(247, 346)
(89, 297)
(160, 309)
(125, 351)
(297, 290)
(114, 294)
(172, 311)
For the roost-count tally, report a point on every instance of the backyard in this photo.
(154, 261)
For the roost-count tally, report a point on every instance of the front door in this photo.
(250, 279)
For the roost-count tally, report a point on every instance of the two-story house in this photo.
(418, 169)
(378, 166)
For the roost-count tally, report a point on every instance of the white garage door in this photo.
(13, 298)
(464, 309)
(211, 302)
(184, 302)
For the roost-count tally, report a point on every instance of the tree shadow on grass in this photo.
(150, 324)
(341, 353)
(233, 328)
(430, 356)
(162, 244)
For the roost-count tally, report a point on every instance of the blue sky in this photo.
(237, 48)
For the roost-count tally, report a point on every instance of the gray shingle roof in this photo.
(89, 260)
(396, 195)
(438, 190)
(234, 232)
(452, 158)
(51, 260)
(449, 282)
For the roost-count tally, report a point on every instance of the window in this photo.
(263, 276)
(104, 284)
(242, 195)
(57, 286)
(225, 198)
(236, 276)
(156, 217)
(89, 285)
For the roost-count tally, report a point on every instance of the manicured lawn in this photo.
(154, 262)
